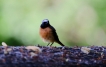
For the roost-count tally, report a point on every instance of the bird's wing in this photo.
(56, 36)
(54, 33)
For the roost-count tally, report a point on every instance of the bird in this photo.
(48, 33)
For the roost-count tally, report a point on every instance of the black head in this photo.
(45, 23)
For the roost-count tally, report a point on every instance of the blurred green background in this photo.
(78, 22)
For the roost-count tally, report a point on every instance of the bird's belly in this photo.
(46, 35)
(46, 40)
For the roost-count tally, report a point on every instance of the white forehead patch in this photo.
(45, 20)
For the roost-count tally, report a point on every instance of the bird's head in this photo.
(45, 23)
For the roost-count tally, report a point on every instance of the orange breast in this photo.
(46, 34)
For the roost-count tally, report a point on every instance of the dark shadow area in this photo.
(13, 42)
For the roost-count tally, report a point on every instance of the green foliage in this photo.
(78, 22)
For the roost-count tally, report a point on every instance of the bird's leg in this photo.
(48, 44)
(51, 44)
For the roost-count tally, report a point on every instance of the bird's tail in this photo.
(60, 43)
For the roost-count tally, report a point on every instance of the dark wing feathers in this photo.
(54, 33)
(56, 36)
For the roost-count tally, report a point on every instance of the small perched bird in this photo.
(48, 33)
